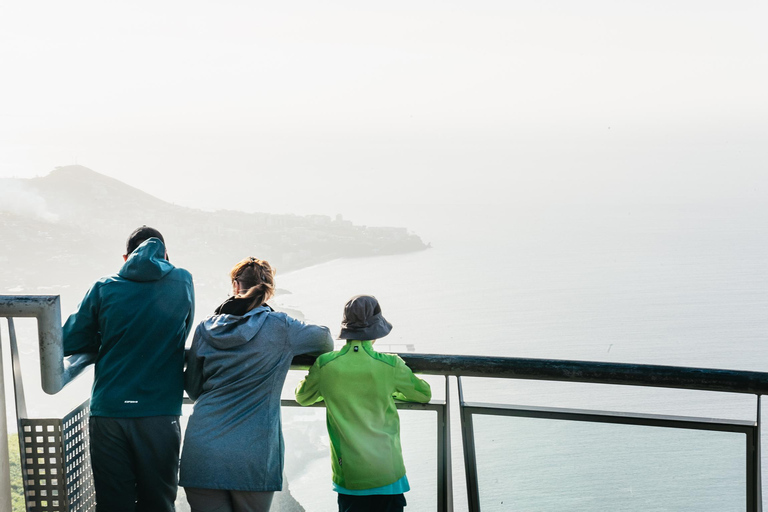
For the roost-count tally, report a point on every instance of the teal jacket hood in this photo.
(147, 262)
(229, 331)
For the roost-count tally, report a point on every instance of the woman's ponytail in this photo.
(257, 278)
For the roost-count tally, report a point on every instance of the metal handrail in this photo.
(647, 375)
(55, 372)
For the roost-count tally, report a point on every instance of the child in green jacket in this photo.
(359, 387)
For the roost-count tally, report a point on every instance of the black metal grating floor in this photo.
(56, 463)
(81, 493)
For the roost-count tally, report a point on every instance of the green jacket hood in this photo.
(147, 262)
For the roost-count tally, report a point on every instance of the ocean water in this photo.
(669, 286)
(675, 285)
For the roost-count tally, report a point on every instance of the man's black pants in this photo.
(135, 463)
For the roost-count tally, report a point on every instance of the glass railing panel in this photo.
(307, 458)
(308, 465)
(540, 464)
(418, 434)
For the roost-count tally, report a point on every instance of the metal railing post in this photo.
(752, 471)
(758, 459)
(446, 494)
(470, 456)
(5, 456)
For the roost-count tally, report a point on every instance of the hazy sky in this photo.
(327, 106)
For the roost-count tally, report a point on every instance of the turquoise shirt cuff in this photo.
(398, 487)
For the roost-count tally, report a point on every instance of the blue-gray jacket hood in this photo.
(147, 262)
(228, 331)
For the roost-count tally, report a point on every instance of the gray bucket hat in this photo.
(363, 319)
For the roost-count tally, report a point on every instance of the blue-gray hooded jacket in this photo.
(137, 322)
(236, 368)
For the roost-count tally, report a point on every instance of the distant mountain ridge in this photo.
(69, 227)
(81, 190)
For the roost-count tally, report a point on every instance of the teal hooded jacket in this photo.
(137, 322)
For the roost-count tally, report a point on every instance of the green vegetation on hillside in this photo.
(17, 487)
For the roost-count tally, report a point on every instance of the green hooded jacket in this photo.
(359, 387)
(137, 322)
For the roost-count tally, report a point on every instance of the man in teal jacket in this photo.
(136, 322)
(359, 387)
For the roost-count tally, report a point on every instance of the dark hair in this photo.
(257, 277)
(139, 236)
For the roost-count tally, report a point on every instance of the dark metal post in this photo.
(470, 456)
(444, 470)
(758, 459)
(751, 470)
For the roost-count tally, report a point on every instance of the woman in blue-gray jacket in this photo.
(233, 447)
